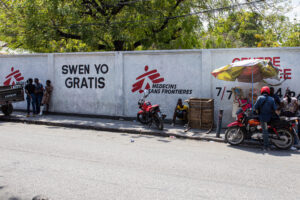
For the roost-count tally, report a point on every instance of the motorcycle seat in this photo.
(279, 123)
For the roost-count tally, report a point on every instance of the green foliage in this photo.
(292, 36)
(251, 29)
(109, 25)
(92, 25)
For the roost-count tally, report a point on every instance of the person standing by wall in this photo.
(266, 106)
(29, 90)
(276, 99)
(290, 107)
(39, 90)
(46, 96)
(275, 96)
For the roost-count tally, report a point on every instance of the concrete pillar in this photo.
(119, 84)
(206, 77)
(51, 75)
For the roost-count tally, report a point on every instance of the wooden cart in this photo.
(8, 95)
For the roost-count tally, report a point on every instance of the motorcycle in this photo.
(149, 113)
(247, 126)
(294, 122)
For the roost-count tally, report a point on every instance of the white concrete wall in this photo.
(284, 58)
(29, 66)
(88, 90)
(187, 71)
(180, 70)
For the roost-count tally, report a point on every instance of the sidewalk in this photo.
(112, 125)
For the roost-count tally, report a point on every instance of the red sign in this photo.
(13, 77)
(152, 76)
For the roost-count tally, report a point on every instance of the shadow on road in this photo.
(157, 138)
(255, 148)
(14, 198)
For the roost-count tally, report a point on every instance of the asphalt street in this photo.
(75, 164)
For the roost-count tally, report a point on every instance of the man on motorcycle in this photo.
(265, 105)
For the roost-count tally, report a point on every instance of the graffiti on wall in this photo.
(14, 77)
(144, 80)
(224, 93)
(285, 74)
(153, 81)
(93, 82)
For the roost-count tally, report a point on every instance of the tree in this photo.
(293, 36)
(251, 29)
(240, 29)
(91, 25)
(95, 25)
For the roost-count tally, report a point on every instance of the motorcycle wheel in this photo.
(141, 118)
(286, 139)
(158, 122)
(234, 135)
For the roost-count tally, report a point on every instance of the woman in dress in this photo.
(46, 97)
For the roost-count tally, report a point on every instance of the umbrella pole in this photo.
(252, 88)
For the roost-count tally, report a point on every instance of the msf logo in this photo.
(13, 77)
(144, 79)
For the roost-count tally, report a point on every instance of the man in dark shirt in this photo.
(266, 105)
(39, 91)
(29, 90)
(275, 97)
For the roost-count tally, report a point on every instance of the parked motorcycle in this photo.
(247, 126)
(294, 122)
(149, 113)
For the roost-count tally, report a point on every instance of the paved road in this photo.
(73, 164)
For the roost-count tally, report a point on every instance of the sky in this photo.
(295, 11)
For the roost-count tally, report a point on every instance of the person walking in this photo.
(46, 97)
(39, 90)
(30, 98)
(266, 106)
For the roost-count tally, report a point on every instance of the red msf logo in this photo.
(154, 77)
(13, 77)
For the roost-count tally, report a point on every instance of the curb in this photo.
(118, 130)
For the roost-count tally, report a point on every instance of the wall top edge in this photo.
(87, 53)
(256, 49)
(23, 55)
(150, 51)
